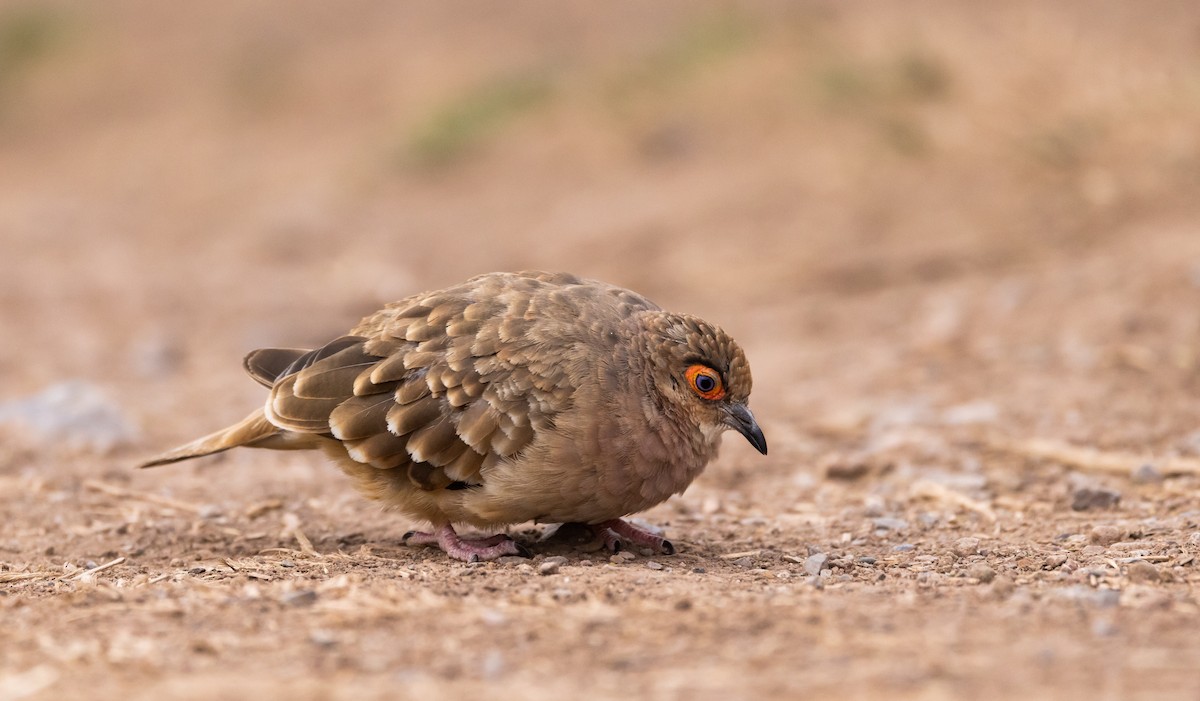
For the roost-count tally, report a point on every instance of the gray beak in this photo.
(742, 421)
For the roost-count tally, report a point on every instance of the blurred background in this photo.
(233, 174)
(919, 218)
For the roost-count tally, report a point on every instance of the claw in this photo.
(465, 549)
(618, 533)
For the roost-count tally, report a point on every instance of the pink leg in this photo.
(617, 530)
(467, 550)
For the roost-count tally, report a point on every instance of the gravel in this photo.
(887, 523)
(964, 547)
(1142, 572)
(815, 563)
(1106, 535)
(1094, 499)
(551, 565)
(981, 571)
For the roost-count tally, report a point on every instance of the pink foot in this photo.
(618, 531)
(467, 550)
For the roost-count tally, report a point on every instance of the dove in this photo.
(509, 398)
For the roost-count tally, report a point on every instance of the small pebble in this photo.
(551, 565)
(873, 506)
(1054, 560)
(982, 572)
(890, 524)
(904, 547)
(653, 565)
(493, 617)
(210, 511)
(815, 563)
(1146, 474)
(964, 547)
(699, 570)
(744, 562)
(1106, 535)
(1094, 498)
(75, 414)
(865, 560)
(846, 470)
(286, 563)
(323, 638)
(1142, 571)
(1193, 539)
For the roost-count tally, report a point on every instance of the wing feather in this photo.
(448, 385)
(265, 365)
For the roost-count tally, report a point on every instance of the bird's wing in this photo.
(443, 385)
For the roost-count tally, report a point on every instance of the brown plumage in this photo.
(512, 397)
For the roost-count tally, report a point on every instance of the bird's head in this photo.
(703, 374)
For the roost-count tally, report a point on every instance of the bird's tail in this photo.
(255, 429)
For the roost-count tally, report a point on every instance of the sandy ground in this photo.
(959, 246)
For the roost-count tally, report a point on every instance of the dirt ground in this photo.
(958, 243)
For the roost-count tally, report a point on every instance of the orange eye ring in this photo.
(705, 382)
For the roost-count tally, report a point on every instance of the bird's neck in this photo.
(670, 422)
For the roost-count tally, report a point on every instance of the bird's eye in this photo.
(705, 382)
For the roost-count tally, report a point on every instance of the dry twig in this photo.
(8, 577)
(95, 570)
(123, 493)
(939, 492)
(744, 553)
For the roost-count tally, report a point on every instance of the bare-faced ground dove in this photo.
(512, 397)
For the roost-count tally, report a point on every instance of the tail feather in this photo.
(255, 429)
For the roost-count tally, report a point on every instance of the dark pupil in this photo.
(706, 384)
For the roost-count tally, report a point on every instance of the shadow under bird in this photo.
(509, 398)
